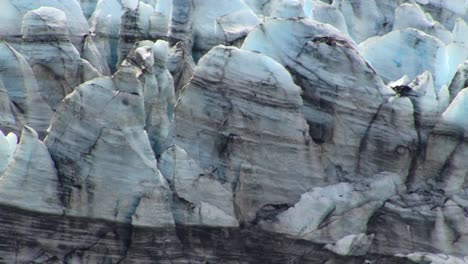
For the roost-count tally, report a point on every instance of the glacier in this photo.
(241, 131)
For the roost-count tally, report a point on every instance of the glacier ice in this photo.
(363, 18)
(407, 52)
(412, 16)
(225, 24)
(456, 112)
(158, 89)
(8, 147)
(211, 202)
(37, 176)
(459, 80)
(16, 9)
(208, 131)
(335, 80)
(317, 213)
(87, 118)
(352, 245)
(23, 97)
(55, 60)
(246, 131)
(325, 13)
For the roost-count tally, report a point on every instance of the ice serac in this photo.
(158, 89)
(325, 13)
(180, 63)
(457, 51)
(407, 52)
(392, 139)
(229, 119)
(428, 106)
(341, 92)
(21, 89)
(8, 119)
(53, 58)
(180, 26)
(229, 22)
(459, 80)
(443, 163)
(446, 12)
(199, 198)
(7, 149)
(32, 168)
(135, 26)
(105, 163)
(364, 18)
(104, 27)
(88, 7)
(94, 55)
(15, 9)
(412, 16)
(160, 19)
(299, 147)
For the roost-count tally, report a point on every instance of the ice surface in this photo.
(14, 10)
(164, 7)
(426, 257)
(363, 18)
(45, 21)
(460, 31)
(7, 148)
(17, 78)
(405, 80)
(32, 169)
(426, 103)
(130, 4)
(457, 51)
(105, 24)
(213, 201)
(457, 111)
(305, 219)
(407, 52)
(325, 13)
(352, 245)
(294, 136)
(286, 9)
(230, 20)
(412, 16)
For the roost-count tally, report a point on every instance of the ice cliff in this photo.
(234, 131)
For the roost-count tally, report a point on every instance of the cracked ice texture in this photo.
(283, 130)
